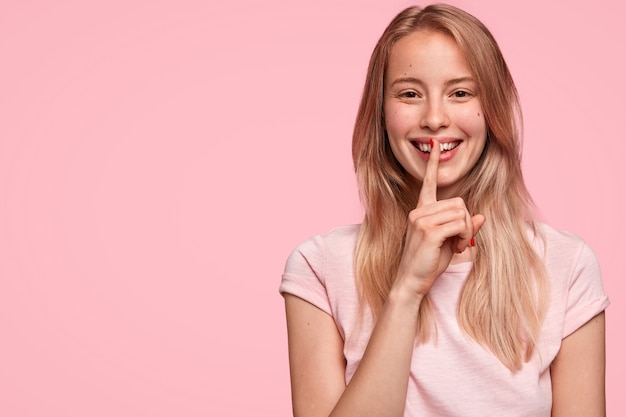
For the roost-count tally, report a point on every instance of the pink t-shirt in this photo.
(454, 376)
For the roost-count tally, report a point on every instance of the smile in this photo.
(444, 147)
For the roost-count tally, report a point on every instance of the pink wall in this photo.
(160, 159)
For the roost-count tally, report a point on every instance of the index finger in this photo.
(428, 193)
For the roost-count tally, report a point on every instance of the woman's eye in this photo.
(408, 94)
(461, 94)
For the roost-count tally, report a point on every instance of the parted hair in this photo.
(503, 301)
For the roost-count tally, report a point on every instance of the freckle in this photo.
(478, 114)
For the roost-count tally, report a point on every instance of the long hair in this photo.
(503, 301)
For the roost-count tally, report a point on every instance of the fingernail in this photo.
(472, 242)
(432, 142)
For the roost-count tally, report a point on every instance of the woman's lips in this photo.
(448, 149)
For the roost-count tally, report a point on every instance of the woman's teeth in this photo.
(425, 147)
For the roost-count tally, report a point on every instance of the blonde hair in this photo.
(503, 300)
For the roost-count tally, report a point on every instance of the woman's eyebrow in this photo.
(408, 80)
(459, 80)
(413, 80)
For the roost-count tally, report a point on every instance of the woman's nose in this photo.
(435, 115)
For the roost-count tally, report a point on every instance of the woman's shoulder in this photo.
(557, 239)
(337, 243)
(342, 237)
(576, 287)
(563, 249)
(342, 233)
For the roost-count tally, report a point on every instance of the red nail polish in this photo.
(472, 242)
(432, 142)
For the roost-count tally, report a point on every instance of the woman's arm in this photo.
(578, 373)
(316, 359)
(378, 387)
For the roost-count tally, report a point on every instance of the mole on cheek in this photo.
(478, 114)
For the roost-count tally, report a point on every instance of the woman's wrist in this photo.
(403, 295)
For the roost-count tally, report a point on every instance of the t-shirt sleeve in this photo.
(304, 274)
(586, 297)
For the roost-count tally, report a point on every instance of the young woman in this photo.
(448, 300)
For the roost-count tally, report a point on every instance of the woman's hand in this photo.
(436, 230)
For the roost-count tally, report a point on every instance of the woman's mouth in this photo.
(444, 147)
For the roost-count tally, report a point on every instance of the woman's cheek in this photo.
(471, 120)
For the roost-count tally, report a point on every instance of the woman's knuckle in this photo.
(420, 223)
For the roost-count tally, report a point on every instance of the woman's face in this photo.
(430, 93)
